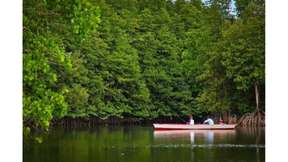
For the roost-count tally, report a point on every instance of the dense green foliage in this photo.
(140, 58)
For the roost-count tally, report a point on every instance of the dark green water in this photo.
(142, 144)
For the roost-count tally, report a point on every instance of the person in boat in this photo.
(191, 121)
(209, 121)
(221, 121)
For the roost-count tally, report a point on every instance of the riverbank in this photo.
(93, 121)
(70, 122)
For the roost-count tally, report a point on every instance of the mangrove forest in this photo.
(142, 59)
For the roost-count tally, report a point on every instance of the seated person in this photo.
(191, 122)
(209, 121)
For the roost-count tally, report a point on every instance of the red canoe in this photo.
(193, 127)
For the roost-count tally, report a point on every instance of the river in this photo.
(143, 144)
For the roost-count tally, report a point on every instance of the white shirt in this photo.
(191, 122)
(209, 121)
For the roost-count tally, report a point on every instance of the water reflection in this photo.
(192, 135)
(143, 144)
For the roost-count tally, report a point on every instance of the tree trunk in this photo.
(257, 96)
(257, 104)
(256, 118)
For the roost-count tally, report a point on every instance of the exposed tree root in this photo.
(254, 119)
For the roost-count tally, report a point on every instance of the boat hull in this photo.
(193, 127)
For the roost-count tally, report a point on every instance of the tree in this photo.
(144, 59)
(244, 52)
(48, 26)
